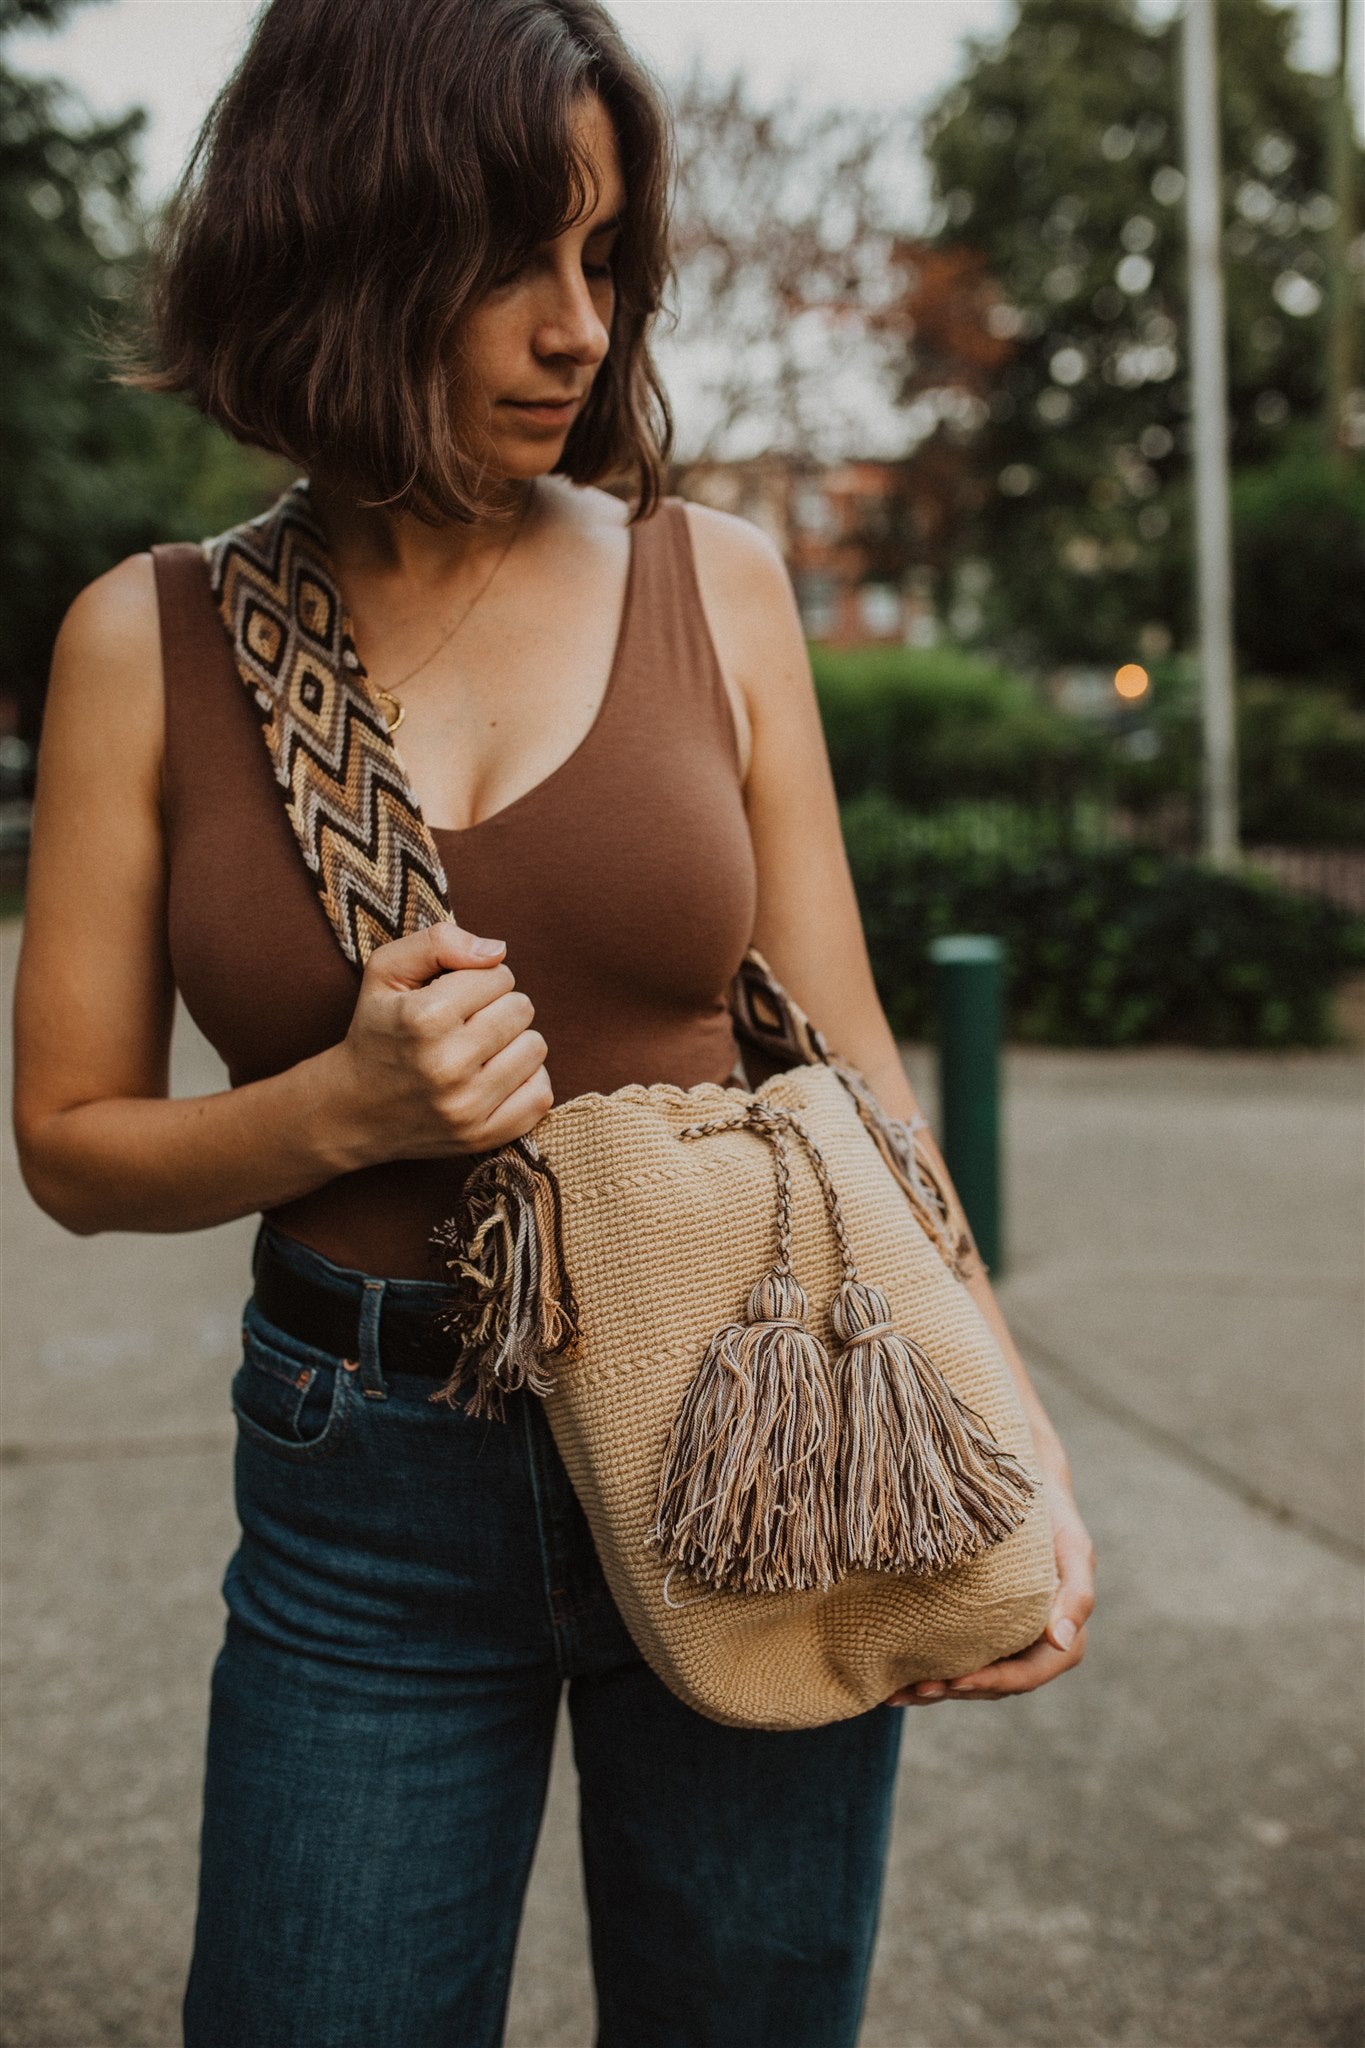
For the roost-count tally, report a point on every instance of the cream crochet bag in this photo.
(799, 1448)
(797, 1443)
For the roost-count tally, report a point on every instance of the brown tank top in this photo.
(623, 884)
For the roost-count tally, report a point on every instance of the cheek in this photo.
(488, 344)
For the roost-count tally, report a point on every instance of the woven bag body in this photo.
(661, 1237)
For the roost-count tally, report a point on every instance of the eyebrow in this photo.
(603, 225)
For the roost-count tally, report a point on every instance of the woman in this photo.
(419, 252)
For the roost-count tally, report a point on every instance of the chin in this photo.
(531, 457)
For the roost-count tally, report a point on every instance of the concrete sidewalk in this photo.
(1162, 1850)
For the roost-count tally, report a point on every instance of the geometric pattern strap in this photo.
(767, 1016)
(358, 824)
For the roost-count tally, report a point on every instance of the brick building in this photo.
(847, 533)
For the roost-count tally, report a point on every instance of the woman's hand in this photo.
(1062, 1643)
(439, 1057)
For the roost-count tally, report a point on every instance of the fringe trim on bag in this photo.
(923, 1484)
(512, 1310)
(760, 1460)
(746, 1496)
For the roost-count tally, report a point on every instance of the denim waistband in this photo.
(347, 1312)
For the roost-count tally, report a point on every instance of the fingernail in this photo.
(1064, 1633)
(486, 947)
(932, 1691)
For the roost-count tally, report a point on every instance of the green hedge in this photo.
(1298, 536)
(1105, 944)
(935, 727)
(1301, 762)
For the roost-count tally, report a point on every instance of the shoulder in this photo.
(105, 689)
(115, 617)
(742, 575)
(751, 608)
(731, 545)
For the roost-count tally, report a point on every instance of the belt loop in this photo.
(371, 1368)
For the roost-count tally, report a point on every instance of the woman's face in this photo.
(541, 332)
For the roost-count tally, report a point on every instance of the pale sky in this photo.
(170, 55)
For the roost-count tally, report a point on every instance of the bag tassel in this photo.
(512, 1309)
(746, 1497)
(922, 1483)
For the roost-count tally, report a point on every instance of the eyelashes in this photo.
(602, 270)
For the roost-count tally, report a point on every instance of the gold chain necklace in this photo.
(394, 712)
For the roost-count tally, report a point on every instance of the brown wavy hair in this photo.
(369, 169)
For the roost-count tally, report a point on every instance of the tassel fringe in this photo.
(746, 1494)
(922, 1484)
(783, 1473)
(512, 1310)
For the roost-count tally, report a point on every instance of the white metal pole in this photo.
(1344, 292)
(1209, 406)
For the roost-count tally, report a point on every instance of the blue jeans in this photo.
(412, 1591)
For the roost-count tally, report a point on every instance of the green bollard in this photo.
(969, 978)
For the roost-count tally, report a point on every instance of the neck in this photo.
(378, 540)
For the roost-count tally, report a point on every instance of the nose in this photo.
(569, 324)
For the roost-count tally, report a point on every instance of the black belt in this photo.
(409, 1340)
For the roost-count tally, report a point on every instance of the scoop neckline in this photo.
(460, 832)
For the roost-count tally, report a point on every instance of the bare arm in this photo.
(810, 929)
(439, 1058)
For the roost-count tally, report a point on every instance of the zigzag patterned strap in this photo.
(356, 819)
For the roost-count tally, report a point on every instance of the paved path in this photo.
(1163, 1850)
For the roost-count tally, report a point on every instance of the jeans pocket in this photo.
(288, 1396)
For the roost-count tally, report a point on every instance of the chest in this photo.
(495, 708)
(621, 878)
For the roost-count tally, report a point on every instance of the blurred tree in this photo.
(948, 327)
(94, 471)
(783, 221)
(1055, 159)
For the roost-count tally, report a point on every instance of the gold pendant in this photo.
(388, 705)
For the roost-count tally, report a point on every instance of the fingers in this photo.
(418, 957)
(1065, 1625)
(446, 1034)
(1072, 1606)
(1074, 1601)
(1059, 1648)
(520, 1112)
(490, 1030)
(1033, 1666)
(1024, 1672)
(508, 1066)
(441, 1005)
